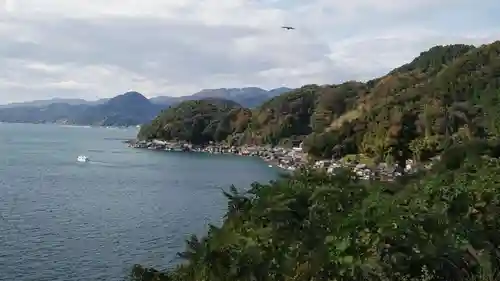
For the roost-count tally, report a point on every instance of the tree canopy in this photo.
(197, 121)
(439, 225)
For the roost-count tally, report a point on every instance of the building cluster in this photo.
(285, 158)
(365, 171)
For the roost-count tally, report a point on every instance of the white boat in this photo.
(82, 158)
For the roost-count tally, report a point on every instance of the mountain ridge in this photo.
(47, 102)
(128, 109)
(164, 100)
(247, 96)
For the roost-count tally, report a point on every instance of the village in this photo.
(289, 159)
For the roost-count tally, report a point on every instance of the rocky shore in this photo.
(289, 159)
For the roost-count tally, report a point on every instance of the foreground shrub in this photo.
(442, 225)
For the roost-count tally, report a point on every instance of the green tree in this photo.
(441, 225)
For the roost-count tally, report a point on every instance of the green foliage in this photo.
(288, 117)
(435, 58)
(447, 95)
(284, 116)
(441, 225)
(198, 121)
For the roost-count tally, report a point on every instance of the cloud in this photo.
(97, 48)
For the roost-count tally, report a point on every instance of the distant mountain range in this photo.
(39, 103)
(128, 109)
(248, 97)
(131, 108)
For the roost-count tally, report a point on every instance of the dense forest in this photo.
(441, 224)
(446, 95)
(438, 224)
(198, 121)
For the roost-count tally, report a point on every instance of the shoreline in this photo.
(283, 158)
(288, 159)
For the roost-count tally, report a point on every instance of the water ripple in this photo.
(67, 221)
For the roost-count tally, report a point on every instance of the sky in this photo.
(101, 48)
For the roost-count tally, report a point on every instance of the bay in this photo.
(65, 220)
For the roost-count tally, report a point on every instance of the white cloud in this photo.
(100, 48)
(43, 67)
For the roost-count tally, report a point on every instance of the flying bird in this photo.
(288, 27)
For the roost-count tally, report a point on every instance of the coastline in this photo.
(283, 158)
(287, 159)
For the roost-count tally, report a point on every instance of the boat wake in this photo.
(85, 159)
(104, 164)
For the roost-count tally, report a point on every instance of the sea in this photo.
(63, 220)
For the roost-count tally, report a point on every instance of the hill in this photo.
(446, 95)
(291, 117)
(128, 109)
(198, 121)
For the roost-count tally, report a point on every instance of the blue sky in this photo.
(100, 48)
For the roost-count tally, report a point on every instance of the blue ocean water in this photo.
(64, 220)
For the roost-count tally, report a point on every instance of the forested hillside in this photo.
(199, 121)
(441, 223)
(446, 95)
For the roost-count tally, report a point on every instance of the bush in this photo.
(441, 225)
